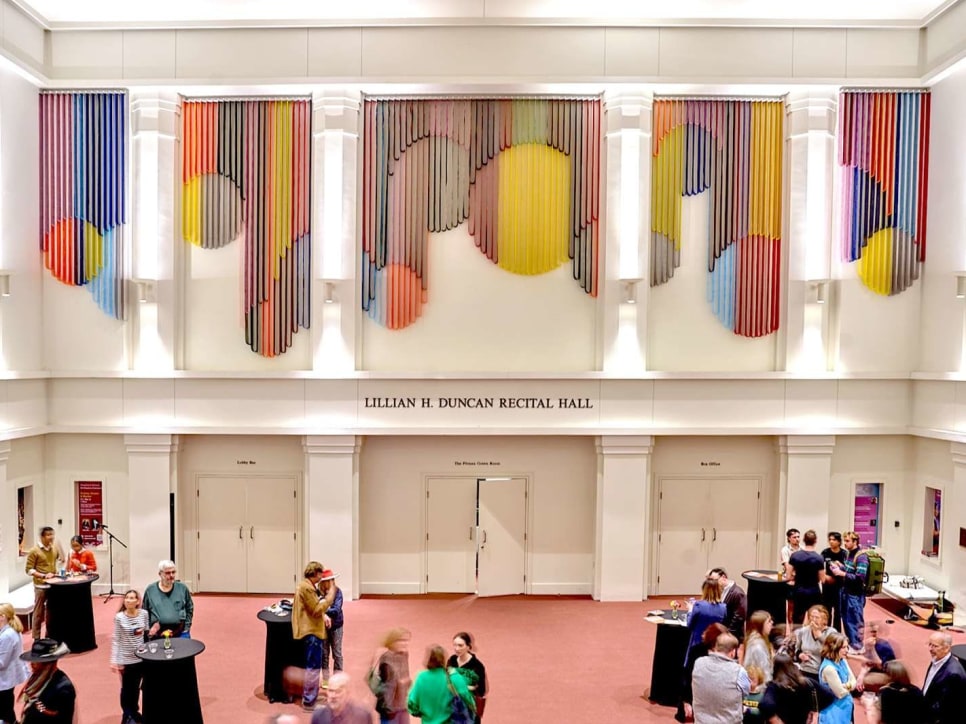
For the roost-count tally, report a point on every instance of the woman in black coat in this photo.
(471, 668)
(789, 696)
(901, 701)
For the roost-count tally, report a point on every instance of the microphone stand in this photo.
(110, 554)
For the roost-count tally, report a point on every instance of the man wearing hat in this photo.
(309, 626)
(334, 621)
(48, 695)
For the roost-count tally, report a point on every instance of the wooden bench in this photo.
(22, 600)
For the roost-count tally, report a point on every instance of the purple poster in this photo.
(868, 497)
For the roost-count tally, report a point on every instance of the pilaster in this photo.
(621, 563)
(805, 484)
(157, 244)
(336, 126)
(8, 521)
(811, 299)
(627, 139)
(151, 462)
(332, 506)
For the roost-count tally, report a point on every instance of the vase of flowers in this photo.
(167, 639)
(675, 607)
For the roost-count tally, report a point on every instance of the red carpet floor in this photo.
(555, 659)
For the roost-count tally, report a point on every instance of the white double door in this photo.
(705, 523)
(247, 534)
(476, 535)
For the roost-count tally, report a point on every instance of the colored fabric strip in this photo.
(524, 174)
(82, 192)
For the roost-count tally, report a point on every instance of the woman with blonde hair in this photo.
(394, 679)
(13, 671)
(836, 675)
(758, 649)
(809, 640)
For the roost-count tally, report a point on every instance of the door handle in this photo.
(483, 543)
(240, 536)
(714, 534)
(251, 532)
(471, 532)
(702, 535)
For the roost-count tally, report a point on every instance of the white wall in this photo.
(562, 473)
(20, 314)
(723, 457)
(214, 330)
(25, 467)
(69, 458)
(934, 469)
(683, 332)
(885, 459)
(479, 317)
(941, 335)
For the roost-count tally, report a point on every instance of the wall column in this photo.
(332, 506)
(336, 125)
(953, 515)
(151, 464)
(8, 523)
(627, 185)
(805, 485)
(809, 343)
(154, 301)
(623, 517)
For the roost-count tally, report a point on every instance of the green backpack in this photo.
(873, 580)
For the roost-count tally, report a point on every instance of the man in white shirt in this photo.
(793, 538)
(945, 684)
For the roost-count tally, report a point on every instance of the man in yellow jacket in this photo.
(309, 625)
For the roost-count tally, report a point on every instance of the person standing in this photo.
(432, 694)
(720, 684)
(42, 562)
(792, 539)
(13, 671)
(169, 604)
(852, 575)
(945, 684)
(832, 587)
(735, 600)
(336, 619)
(471, 668)
(130, 627)
(339, 708)
(393, 670)
(48, 696)
(81, 559)
(808, 569)
(309, 626)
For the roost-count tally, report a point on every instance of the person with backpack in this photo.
(853, 575)
(389, 678)
(439, 696)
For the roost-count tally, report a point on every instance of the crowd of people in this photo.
(743, 668)
(449, 689)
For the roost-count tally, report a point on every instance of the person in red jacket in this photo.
(81, 560)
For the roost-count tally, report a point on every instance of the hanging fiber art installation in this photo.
(524, 174)
(883, 145)
(82, 192)
(732, 148)
(246, 169)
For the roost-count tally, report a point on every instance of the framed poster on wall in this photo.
(868, 507)
(932, 509)
(90, 511)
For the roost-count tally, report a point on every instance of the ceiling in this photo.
(62, 14)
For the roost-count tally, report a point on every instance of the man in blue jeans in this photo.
(853, 574)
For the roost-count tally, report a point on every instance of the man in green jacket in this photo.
(169, 604)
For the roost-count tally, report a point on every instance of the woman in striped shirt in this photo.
(130, 625)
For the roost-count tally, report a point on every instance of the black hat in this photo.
(45, 650)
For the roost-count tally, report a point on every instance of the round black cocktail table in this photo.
(70, 614)
(170, 689)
